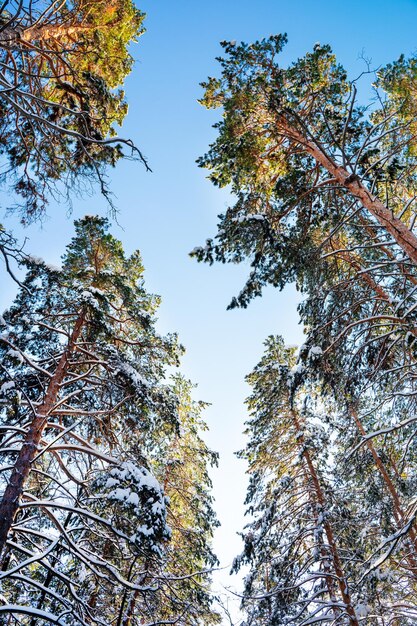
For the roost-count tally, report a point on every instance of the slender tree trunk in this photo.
(354, 262)
(50, 575)
(54, 31)
(12, 35)
(11, 498)
(367, 226)
(337, 563)
(127, 620)
(328, 574)
(398, 511)
(394, 226)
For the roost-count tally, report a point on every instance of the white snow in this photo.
(97, 291)
(111, 482)
(133, 499)
(6, 386)
(16, 354)
(246, 218)
(119, 494)
(145, 530)
(129, 371)
(36, 260)
(361, 610)
(316, 350)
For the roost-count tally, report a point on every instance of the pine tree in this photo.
(84, 532)
(181, 465)
(325, 197)
(296, 133)
(298, 544)
(62, 68)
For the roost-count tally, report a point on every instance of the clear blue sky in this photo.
(166, 213)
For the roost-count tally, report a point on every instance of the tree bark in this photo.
(14, 35)
(11, 498)
(354, 261)
(394, 226)
(338, 568)
(54, 31)
(398, 511)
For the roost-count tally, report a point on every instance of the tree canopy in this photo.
(101, 455)
(325, 198)
(63, 65)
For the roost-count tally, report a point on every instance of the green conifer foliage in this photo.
(84, 403)
(63, 65)
(297, 544)
(320, 540)
(304, 161)
(326, 199)
(181, 465)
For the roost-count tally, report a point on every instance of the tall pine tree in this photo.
(84, 532)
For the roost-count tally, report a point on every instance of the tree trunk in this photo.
(395, 227)
(127, 620)
(338, 568)
(398, 511)
(354, 261)
(12, 35)
(131, 612)
(53, 31)
(11, 498)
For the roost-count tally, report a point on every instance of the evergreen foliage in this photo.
(63, 65)
(325, 198)
(86, 412)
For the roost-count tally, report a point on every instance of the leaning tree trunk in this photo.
(11, 498)
(399, 515)
(13, 35)
(404, 237)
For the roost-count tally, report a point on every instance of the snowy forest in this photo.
(107, 512)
